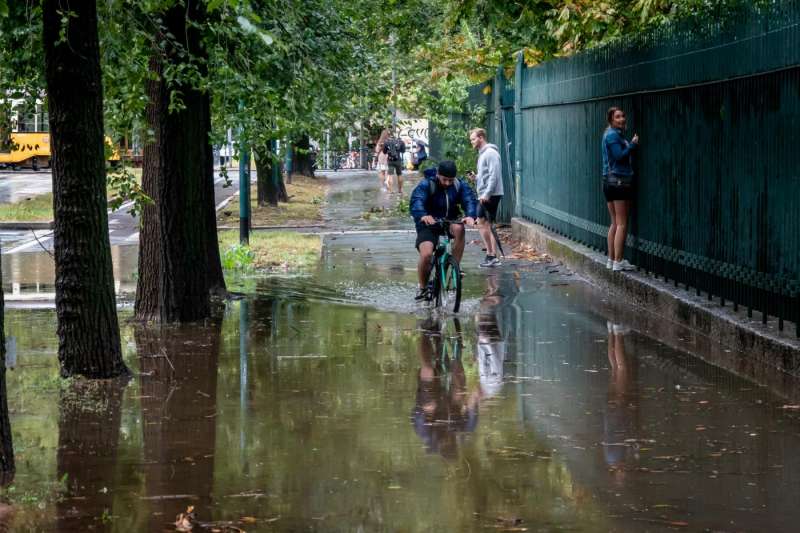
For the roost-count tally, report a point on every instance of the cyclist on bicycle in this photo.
(439, 196)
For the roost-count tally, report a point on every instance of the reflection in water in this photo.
(621, 415)
(88, 435)
(179, 397)
(491, 352)
(444, 408)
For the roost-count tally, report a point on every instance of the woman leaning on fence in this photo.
(617, 185)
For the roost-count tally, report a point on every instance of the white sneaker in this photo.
(626, 266)
(623, 265)
(609, 264)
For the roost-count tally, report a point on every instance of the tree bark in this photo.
(270, 188)
(303, 161)
(147, 284)
(6, 444)
(88, 331)
(179, 273)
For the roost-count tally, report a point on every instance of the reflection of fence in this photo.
(717, 108)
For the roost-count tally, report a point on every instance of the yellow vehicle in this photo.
(27, 150)
(26, 144)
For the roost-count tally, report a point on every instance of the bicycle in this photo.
(444, 282)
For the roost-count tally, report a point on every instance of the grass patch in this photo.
(306, 199)
(35, 208)
(269, 250)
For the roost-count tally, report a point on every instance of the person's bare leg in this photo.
(458, 241)
(621, 216)
(382, 177)
(400, 183)
(486, 236)
(612, 229)
(424, 263)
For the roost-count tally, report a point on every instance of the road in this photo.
(123, 227)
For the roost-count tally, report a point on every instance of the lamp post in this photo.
(244, 190)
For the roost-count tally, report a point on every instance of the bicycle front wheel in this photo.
(450, 285)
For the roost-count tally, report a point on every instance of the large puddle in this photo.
(331, 402)
(311, 408)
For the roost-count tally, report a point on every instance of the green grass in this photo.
(273, 250)
(306, 199)
(33, 209)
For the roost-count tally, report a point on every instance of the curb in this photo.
(758, 345)
(23, 225)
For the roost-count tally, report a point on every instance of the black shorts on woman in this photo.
(617, 187)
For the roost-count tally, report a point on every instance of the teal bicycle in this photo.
(444, 283)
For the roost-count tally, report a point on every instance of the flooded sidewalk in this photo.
(332, 402)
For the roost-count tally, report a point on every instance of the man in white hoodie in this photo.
(489, 185)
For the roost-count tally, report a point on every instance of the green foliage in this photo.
(126, 187)
(239, 258)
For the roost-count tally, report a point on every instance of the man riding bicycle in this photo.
(439, 196)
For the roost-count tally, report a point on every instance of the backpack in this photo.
(393, 150)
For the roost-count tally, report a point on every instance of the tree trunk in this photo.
(88, 439)
(303, 160)
(6, 444)
(179, 273)
(147, 292)
(270, 186)
(88, 331)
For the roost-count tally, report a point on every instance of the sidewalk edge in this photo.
(779, 351)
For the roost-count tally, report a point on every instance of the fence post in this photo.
(518, 133)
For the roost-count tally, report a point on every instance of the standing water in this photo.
(332, 402)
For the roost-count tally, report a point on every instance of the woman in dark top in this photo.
(617, 185)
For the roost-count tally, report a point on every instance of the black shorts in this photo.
(489, 209)
(397, 166)
(617, 192)
(427, 233)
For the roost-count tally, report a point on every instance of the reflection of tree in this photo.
(443, 407)
(179, 396)
(88, 433)
(6, 445)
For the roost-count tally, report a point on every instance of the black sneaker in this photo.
(422, 294)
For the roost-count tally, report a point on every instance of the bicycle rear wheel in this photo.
(449, 295)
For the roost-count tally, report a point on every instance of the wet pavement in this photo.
(123, 227)
(330, 402)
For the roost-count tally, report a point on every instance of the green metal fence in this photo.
(499, 127)
(717, 108)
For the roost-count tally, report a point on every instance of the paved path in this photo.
(123, 227)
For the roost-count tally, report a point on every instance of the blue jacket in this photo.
(444, 202)
(616, 151)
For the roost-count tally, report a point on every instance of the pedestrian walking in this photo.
(618, 181)
(394, 148)
(383, 158)
(489, 185)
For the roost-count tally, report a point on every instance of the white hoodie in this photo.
(489, 180)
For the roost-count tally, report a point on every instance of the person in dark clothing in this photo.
(616, 152)
(394, 149)
(440, 195)
(420, 155)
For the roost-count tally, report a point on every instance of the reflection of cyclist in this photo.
(443, 407)
(439, 195)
